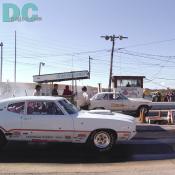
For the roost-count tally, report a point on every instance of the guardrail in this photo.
(159, 118)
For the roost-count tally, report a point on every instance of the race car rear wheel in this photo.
(145, 109)
(3, 140)
(102, 140)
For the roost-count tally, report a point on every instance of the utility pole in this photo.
(99, 87)
(112, 39)
(90, 66)
(15, 60)
(1, 45)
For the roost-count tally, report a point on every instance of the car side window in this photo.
(43, 108)
(111, 97)
(100, 97)
(106, 97)
(16, 107)
(118, 97)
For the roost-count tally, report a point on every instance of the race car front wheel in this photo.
(102, 140)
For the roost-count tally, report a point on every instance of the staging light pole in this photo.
(1, 45)
(112, 38)
(41, 64)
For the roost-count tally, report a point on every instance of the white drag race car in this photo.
(118, 102)
(54, 119)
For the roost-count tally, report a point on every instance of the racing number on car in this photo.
(115, 106)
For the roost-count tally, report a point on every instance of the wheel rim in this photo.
(102, 139)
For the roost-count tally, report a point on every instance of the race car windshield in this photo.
(122, 96)
(70, 108)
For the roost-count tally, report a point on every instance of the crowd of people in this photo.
(54, 92)
(168, 97)
(83, 97)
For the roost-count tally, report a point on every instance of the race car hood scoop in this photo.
(102, 112)
(105, 114)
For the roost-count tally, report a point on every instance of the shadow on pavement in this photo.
(76, 153)
(149, 128)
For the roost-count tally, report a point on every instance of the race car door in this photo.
(116, 102)
(45, 121)
(11, 120)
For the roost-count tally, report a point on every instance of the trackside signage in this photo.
(75, 75)
(28, 12)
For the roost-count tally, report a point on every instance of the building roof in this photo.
(128, 77)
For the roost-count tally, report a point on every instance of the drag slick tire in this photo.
(102, 140)
(145, 109)
(3, 140)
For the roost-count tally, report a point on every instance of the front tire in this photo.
(102, 140)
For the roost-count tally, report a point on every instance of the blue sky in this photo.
(70, 27)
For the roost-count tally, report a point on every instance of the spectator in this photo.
(169, 96)
(37, 91)
(67, 91)
(83, 99)
(128, 85)
(154, 97)
(166, 98)
(159, 97)
(55, 90)
(173, 96)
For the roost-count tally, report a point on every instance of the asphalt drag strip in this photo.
(137, 156)
(133, 150)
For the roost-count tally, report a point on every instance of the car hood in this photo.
(105, 114)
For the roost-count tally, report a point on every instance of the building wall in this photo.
(8, 89)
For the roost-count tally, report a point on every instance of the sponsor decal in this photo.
(16, 133)
(67, 137)
(117, 105)
(81, 135)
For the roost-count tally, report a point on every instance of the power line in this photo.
(149, 43)
(165, 79)
(137, 55)
(53, 41)
(149, 80)
(148, 54)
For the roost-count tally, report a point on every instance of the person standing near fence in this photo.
(55, 90)
(67, 91)
(83, 99)
(37, 91)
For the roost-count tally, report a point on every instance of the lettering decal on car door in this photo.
(117, 105)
